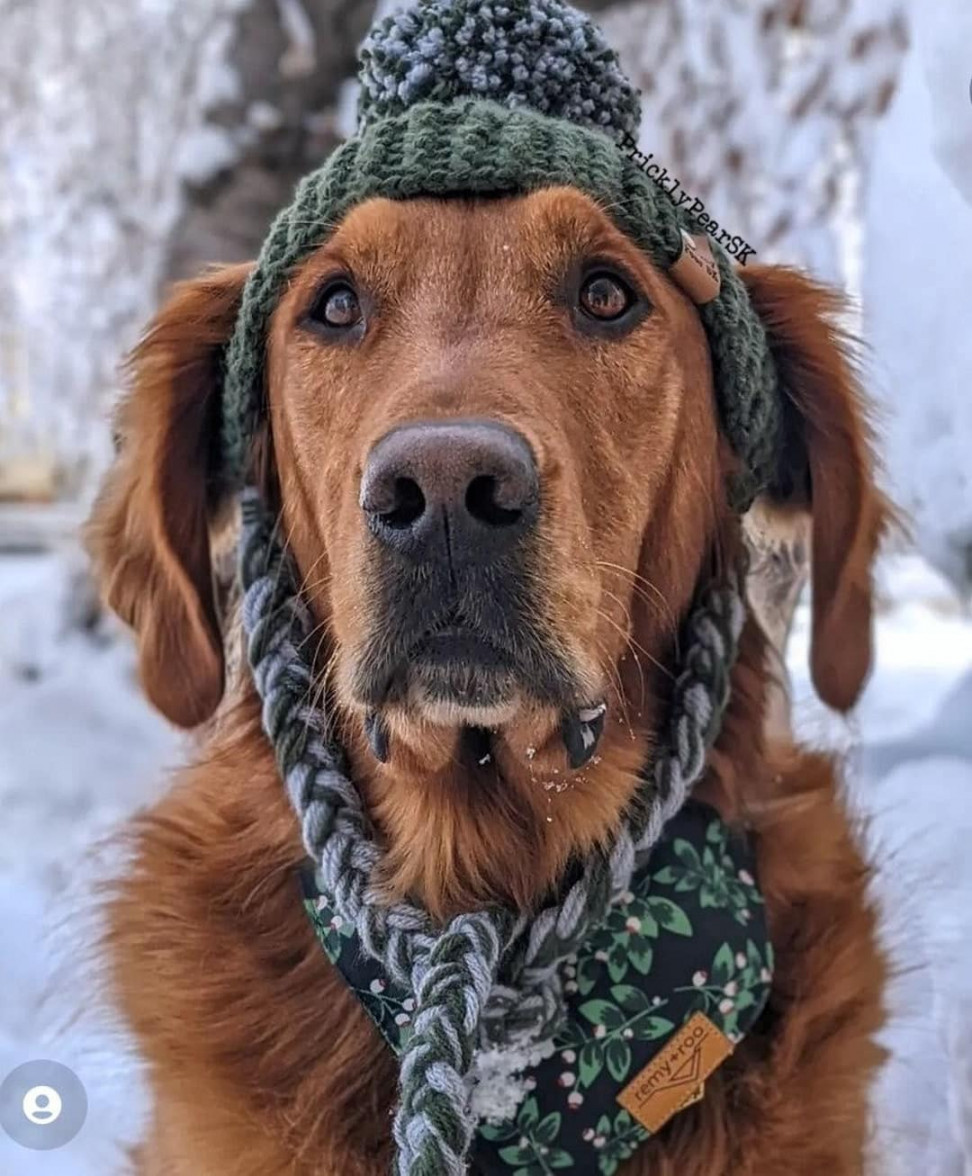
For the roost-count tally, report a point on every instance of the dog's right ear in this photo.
(827, 468)
(149, 531)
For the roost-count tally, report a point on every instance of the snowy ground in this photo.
(79, 751)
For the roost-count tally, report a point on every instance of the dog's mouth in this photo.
(456, 675)
(470, 650)
(461, 649)
(458, 672)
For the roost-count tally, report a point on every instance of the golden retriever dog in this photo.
(494, 348)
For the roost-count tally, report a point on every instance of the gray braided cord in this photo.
(486, 977)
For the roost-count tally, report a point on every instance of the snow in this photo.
(917, 282)
(80, 751)
(498, 1084)
(765, 112)
(90, 195)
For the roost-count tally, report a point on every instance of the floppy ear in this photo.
(826, 465)
(149, 530)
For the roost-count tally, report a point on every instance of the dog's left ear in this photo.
(827, 466)
(149, 532)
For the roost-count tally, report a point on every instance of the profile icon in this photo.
(42, 1105)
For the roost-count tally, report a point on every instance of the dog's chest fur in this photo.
(263, 1062)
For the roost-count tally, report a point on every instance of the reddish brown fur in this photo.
(149, 530)
(261, 1061)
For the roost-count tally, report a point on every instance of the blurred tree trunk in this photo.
(291, 59)
(138, 140)
(97, 100)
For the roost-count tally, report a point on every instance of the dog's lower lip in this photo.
(458, 645)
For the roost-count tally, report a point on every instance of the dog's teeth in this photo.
(376, 732)
(581, 731)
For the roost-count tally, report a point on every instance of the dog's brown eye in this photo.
(338, 307)
(604, 297)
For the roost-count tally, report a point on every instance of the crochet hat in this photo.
(468, 96)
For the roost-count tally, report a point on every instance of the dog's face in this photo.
(491, 437)
(481, 413)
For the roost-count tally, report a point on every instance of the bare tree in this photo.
(765, 111)
(139, 139)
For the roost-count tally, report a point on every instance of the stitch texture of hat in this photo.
(477, 97)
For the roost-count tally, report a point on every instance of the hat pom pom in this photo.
(540, 54)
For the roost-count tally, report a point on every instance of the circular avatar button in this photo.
(42, 1105)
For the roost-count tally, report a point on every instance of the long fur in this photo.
(260, 1059)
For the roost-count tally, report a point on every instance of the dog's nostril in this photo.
(482, 504)
(409, 505)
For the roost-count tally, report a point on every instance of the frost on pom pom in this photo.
(537, 53)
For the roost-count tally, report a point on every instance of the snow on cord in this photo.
(488, 979)
(537, 53)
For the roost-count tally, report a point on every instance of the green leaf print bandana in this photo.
(674, 977)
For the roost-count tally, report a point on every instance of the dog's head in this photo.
(480, 413)
(492, 439)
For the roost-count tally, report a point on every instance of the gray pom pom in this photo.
(537, 53)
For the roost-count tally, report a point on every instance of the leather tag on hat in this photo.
(675, 1078)
(696, 270)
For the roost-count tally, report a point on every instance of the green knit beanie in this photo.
(469, 96)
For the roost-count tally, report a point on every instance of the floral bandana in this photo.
(660, 994)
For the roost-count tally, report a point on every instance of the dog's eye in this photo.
(604, 297)
(337, 306)
(336, 314)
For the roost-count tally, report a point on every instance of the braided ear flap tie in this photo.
(486, 979)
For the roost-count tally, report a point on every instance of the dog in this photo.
(525, 335)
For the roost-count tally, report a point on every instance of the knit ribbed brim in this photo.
(480, 147)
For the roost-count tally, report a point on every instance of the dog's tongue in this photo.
(581, 731)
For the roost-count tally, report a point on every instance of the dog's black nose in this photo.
(462, 491)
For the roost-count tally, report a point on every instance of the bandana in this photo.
(658, 996)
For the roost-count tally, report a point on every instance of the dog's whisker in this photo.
(641, 584)
(638, 666)
(634, 645)
(610, 668)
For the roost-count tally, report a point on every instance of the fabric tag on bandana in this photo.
(696, 270)
(686, 947)
(676, 1077)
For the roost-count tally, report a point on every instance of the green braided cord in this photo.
(481, 147)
